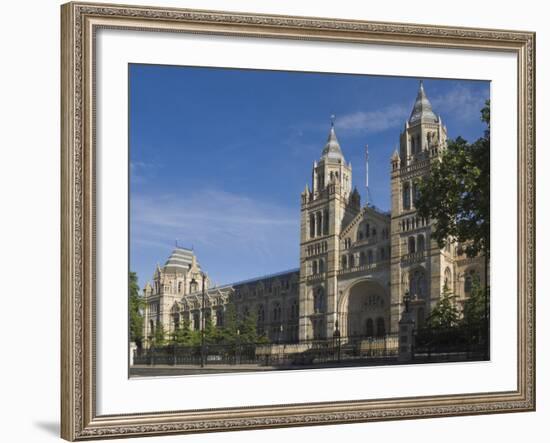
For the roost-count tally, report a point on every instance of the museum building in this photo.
(356, 262)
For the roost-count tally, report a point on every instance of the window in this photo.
(362, 259)
(351, 261)
(382, 254)
(321, 266)
(447, 280)
(219, 317)
(406, 196)
(325, 222)
(469, 280)
(319, 223)
(311, 226)
(380, 327)
(421, 244)
(370, 257)
(314, 267)
(344, 262)
(412, 245)
(370, 327)
(318, 301)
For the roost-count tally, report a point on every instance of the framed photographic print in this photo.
(282, 221)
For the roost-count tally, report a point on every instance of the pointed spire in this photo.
(422, 109)
(332, 148)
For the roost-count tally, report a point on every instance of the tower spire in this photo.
(422, 109)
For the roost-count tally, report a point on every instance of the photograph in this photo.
(288, 220)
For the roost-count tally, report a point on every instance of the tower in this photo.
(417, 262)
(180, 275)
(325, 208)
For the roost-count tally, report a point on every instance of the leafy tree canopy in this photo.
(136, 305)
(456, 193)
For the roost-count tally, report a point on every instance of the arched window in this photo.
(261, 314)
(421, 245)
(417, 284)
(351, 261)
(319, 301)
(412, 245)
(151, 327)
(325, 222)
(380, 327)
(314, 267)
(321, 266)
(319, 223)
(311, 226)
(344, 262)
(219, 317)
(368, 230)
(406, 196)
(416, 193)
(469, 280)
(447, 281)
(276, 311)
(370, 328)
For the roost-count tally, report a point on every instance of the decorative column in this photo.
(406, 332)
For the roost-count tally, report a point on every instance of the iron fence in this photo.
(467, 342)
(303, 353)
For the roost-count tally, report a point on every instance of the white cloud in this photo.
(214, 220)
(374, 121)
(461, 103)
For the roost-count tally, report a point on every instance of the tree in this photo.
(136, 305)
(159, 339)
(474, 306)
(456, 193)
(445, 314)
(182, 335)
(247, 329)
(231, 326)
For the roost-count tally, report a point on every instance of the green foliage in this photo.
(136, 305)
(475, 305)
(247, 329)
(182, 335)
(231, 325)
(445, 314)
(456, 193)
(159, 338)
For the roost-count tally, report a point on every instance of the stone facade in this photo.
(356, 262)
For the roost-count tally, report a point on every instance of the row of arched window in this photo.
(408, 199)
(317, 248)
(412, 223)
(362, 258)
(317, 266)
(318, 223)
(416, 244)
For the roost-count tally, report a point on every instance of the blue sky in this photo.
(219, 157)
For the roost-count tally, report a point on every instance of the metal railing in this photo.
(308, 352)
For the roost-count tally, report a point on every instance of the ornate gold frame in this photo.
(79, 420)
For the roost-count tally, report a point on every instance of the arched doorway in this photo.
(364, 310)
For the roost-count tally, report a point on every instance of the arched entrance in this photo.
(364, 310)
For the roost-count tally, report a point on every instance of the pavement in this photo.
(174, 370)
